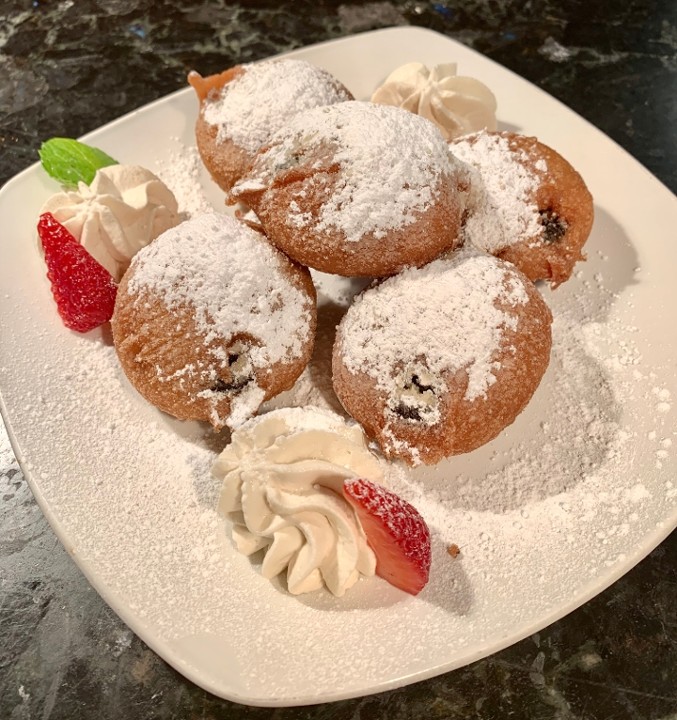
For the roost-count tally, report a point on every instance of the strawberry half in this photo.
(83, 289)
(396, 532)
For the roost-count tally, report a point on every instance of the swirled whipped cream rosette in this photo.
(456, 104)
(301, 485)
(283, 475)
(121, 211)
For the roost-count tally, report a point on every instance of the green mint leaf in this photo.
(69, 161)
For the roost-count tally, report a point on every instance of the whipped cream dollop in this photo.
(124, 208)
(283, 477)
(456, 104)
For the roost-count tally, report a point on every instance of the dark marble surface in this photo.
(67, 67)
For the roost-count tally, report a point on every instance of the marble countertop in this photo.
(66, 68)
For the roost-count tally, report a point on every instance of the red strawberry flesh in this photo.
(83, 289)
(397, 533)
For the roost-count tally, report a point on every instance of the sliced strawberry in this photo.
(396, 532)
(83, 289)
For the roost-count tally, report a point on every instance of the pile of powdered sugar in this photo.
(502, 195)
(182, 170)
(235, 281)
(391, 164)
(447, 312)
(259, 101)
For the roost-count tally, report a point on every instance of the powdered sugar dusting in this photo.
(538, 513)
(502, 206)
(391, 164)
(258, 102)
(450, 298)
(181, 171)
(565, 500)
(233, 279)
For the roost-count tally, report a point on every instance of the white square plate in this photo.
(555, 509)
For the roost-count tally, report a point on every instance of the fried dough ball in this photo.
(439, 360)
(528, 204)
(210, 320)
(242, 107)
(357, 189)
